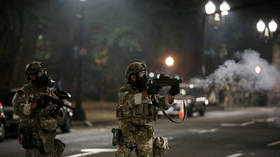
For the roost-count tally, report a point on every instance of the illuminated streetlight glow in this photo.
(258, 69)
(266, 32)
(272, 25)
(224, 6)
(217, 17)
(224, 13)
(260, 26)
(210, 7)
(169, 61)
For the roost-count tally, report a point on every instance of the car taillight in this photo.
(1, 106)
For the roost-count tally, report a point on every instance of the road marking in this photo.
(268, 120)
(237, 125)
(235, 155)
(170, 138)
(206, 131)
(86, 152)
(248, 123)
(273, 144)
(229, 125)
(272, 119)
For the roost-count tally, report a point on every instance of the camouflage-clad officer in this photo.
(135, 112)
(37, 125)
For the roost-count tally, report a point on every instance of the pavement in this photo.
(241, 132)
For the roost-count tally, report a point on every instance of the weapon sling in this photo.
(166, 115)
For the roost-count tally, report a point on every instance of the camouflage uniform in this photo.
(37, 130)
(135, 116)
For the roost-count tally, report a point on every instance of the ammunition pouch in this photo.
(26, 137)
(117, 137)
(160, 146)
(139, 114)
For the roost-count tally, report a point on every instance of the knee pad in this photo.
(123, 151)
(160, 146)
(60, 146)
(32, 153)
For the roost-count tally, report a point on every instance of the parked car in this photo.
(196, 99)
(66, 122)
(190, 96)
(9, 121)
(2, 123)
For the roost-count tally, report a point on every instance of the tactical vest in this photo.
(137, 114)
(37, 119)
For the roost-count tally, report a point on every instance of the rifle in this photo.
(154, 85)
(45, 100)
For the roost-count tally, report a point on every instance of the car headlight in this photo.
(200, 99)
(183, 91)
(206, 102)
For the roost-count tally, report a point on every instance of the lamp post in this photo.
(266, 31)
(79, 113)
(218, 17)
(215, 18)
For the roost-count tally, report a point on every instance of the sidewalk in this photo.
(100, 114)
(103, 113)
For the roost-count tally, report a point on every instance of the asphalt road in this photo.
(241, 133)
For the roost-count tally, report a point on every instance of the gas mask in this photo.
(43, 80)
(141, 80)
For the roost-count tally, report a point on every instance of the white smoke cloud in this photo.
(244, 71)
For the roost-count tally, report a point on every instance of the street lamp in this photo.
(224, 8)
(169, 61)
(218, 19)
(210, 7)
(272, 25)
(266, 31)
(260, 26)
(214, 18)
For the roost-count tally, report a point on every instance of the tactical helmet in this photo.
(134, 68)
(33, 68)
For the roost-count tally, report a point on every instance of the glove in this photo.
(174, 90)
(153, 89)
(34, 105)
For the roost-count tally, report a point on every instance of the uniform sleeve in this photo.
(163, 102)
(20, 103)
(127, 99)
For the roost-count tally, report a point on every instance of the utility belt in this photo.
(123, 136)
